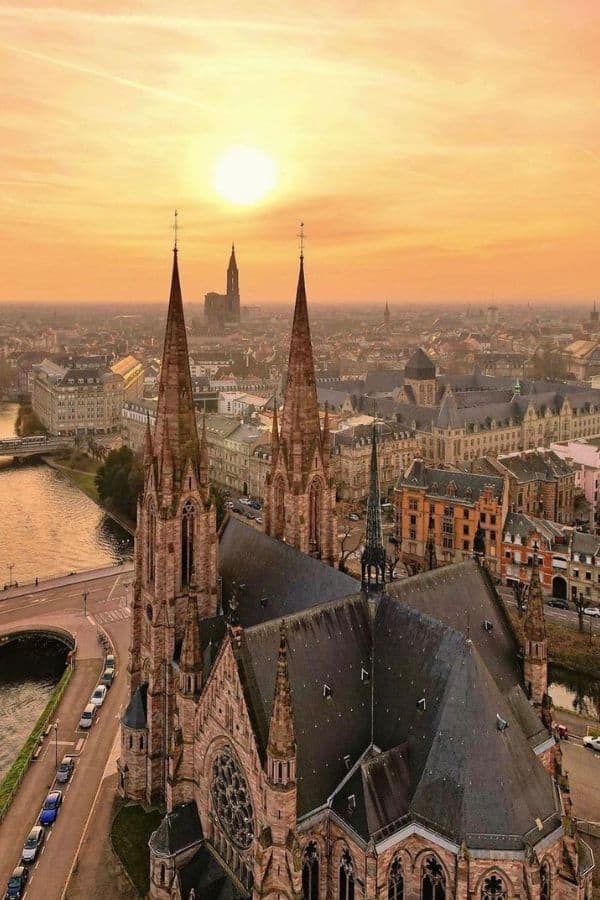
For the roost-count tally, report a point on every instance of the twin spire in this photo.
(372, 560)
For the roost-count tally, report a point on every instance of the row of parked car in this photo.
(53, 802)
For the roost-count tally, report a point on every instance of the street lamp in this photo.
(85, 596)
(10, 571)
(56, 743)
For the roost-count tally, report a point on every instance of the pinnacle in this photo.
(282, 738)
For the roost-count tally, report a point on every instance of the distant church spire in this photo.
(372, 561)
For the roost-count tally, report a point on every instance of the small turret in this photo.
(274, 434)
(190, 662)
(535, 665)
(281, 747)
(372, 561)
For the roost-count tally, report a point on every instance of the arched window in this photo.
(346, 876)
(433, 880)
(396, 880)
(151, 545)
(279, 509)
(315, 496)
(545, 881)
(187, 542)
(493, 889)
(310, 872)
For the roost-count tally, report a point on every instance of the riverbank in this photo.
(27, 423)
(567, 648)
(13, 778)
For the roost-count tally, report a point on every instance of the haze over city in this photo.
(439, 153)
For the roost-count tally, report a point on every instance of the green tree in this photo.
(218, 498)
(119, 481)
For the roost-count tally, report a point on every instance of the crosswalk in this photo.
(113, 615)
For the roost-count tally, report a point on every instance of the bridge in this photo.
(34, 446)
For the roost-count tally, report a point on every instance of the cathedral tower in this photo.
(233, 288)
(299, 490)
(175, 570)
(535, 664)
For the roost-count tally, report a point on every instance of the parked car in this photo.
(354, 517)
(108, 676)
(50, 808)
(110, 662)
(99, 694)
(245, 500)
(249, 515)
(592, 611)
(88, 716)
(592, 742)
(557, 602)
(255, 504)
(229, 504)
(16, 884)
(258, 520)
(65, 770)
(227, 492)
(32, 845)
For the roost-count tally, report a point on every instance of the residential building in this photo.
(582, 359)
(448, 510)
(77, 400)
(135, 417)
(351, 458)
(241, 403)
(584, 455)
(232, 453)
(540, 482)
(131, 371)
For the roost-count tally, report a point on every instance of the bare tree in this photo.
(520, 592)
(391, 561)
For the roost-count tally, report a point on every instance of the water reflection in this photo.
(573, 691)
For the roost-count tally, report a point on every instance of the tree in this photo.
(218, 498)
(548, 363)
(520, 592)
(120, 480)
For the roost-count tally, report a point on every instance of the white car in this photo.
(592, 742)
(99, 694)
(591, 611)
(244, 500)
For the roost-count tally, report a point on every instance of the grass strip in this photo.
(129, 835)
(13, 778)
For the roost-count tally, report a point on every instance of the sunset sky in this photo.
(443, 150)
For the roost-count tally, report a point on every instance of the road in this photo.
(62, 605)
(583, 768)
(562, 616)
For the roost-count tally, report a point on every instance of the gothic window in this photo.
(279, 509)
(151, 546)
(433, 880)
(346, 891)
(187, 542)
(396, 880)
(310, 872)
(493, 889)
(231, 800)
(314, 510)
(545, 882)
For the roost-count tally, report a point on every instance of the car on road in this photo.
(255, 504)
(249, 515)
(16, 884)
(592, 742)
(50, 808)
(592, 611)
(108, 676)
(258, 520)
(32, 845)
(99, 695)
(88, 716)
(65, 770)
(354, 517)
(110, 662)
(557, 602)
(229, 504)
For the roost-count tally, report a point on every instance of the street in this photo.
(62, 604)
(562, 616)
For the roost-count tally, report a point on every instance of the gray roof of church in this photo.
(419, 366)
(204, 875)
(179, 829)
(273, 579)
(135, 714)
(356, 684)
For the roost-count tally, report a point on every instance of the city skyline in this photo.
(433, 154)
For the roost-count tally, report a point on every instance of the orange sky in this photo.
(439, 150)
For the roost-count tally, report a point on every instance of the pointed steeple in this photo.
(534, 626)
(232, 259)
(204, 460)
(274, 432)
(373, 555)
(300, 421)
(175, 410)
(148, 444)
(281, 746)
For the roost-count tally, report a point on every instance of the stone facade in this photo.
(299, 491)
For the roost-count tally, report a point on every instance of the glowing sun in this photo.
(244, 175)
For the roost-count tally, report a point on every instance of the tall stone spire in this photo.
(535, 661)
(281, 747)
(300, 420)
(175, 413)
(190, 661)
(373, 555)
(233, 288)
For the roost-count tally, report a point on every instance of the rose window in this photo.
(231, 800)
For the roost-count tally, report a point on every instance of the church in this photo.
(315, 737)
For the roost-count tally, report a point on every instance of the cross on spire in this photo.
(301, 239)
(175, 227)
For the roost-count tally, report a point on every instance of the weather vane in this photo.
(175, 229)
(301, 236)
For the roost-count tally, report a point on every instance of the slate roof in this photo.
(524, 525)
(135, 714)
(419, 366)
(536, 465)
(204, 875)
(179, 829)
(467, 486)
(366, 735)
(273, 579)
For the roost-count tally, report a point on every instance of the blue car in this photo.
(50, 808)
(17, 884)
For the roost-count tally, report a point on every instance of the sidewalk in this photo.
(62, 580)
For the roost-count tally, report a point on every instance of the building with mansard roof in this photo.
(312, 736)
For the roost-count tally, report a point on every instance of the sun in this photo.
(244, 175)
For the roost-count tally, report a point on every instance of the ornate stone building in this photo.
(310, 740)
(300, 492)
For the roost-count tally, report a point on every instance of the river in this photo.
(47, 525)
